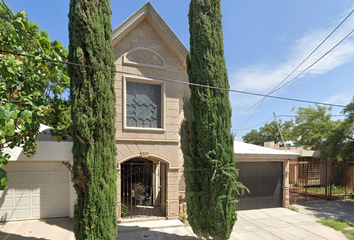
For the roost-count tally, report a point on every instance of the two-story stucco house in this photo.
(149, 113)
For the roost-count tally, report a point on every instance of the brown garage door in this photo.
(265, 182)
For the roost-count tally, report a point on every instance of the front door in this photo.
(143, 188)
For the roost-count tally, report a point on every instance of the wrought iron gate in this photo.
(143, 188)
(310, 180)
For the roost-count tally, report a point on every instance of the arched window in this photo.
(145, 57)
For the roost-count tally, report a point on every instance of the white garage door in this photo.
(36, 190)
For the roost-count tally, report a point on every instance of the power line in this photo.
(264, 122)
(291, 116)
(300, 74)
(243, 129)
(177, 81)
(316, 60)
(278, 88)
(171, 80)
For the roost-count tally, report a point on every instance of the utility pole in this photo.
(281, 135)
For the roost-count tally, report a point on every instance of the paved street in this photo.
(275, 223)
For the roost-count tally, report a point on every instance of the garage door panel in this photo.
(21, 178)
(22, 202)
(264, 180)
(7, 203)
(20, 191)
(54, 178)
(38, 178)
(23, 167)
(53, 166)
(36, 201)
(54, 189)
(36, 213)
(36, 190)
(65, 175)
(38, 167)
(22, 214)
(36, 193)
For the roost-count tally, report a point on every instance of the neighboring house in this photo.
(40, 185)
(308, 169)
(265, 172)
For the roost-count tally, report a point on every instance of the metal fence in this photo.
(320, 179)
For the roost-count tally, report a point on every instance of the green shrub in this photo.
(182, 214)
(292, 208)
(124, 211)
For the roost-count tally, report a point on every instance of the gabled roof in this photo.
(246, 150)
(149, 13)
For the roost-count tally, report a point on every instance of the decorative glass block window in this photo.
(145, 57)
(143, 105)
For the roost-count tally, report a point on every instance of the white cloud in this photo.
(342, 98)
(263, 77)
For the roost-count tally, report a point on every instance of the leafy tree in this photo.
(339, 143)
(207, 144)
(269, 133)
(93, 115)
(312, 126)
(254, 137)
(31, 89)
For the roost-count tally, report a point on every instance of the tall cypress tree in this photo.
(207, 144)
(93, 114)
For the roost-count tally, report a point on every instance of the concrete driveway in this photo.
(339, 209)
(275, 223)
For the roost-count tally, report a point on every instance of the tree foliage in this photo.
(314, 128)
(269, 133)
(339, 143)
(93, 115)
(207, 144)
(31, 89)
(312, 125)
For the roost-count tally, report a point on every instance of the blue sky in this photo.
(263, 42)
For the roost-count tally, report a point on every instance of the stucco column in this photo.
(119, 204)
(172, 206)
(286, 185)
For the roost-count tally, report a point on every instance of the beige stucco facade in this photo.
(144, 52)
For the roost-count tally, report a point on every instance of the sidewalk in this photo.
(274, 223)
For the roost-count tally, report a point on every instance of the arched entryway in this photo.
(143, 188)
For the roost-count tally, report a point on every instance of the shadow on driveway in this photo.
(338, 209)
(14, 236)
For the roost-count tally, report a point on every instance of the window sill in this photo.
(144, 129)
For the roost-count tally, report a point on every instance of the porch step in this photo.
(133, 226)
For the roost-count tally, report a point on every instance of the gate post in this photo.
(286, 184)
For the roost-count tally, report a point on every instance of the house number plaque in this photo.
(145, 154)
